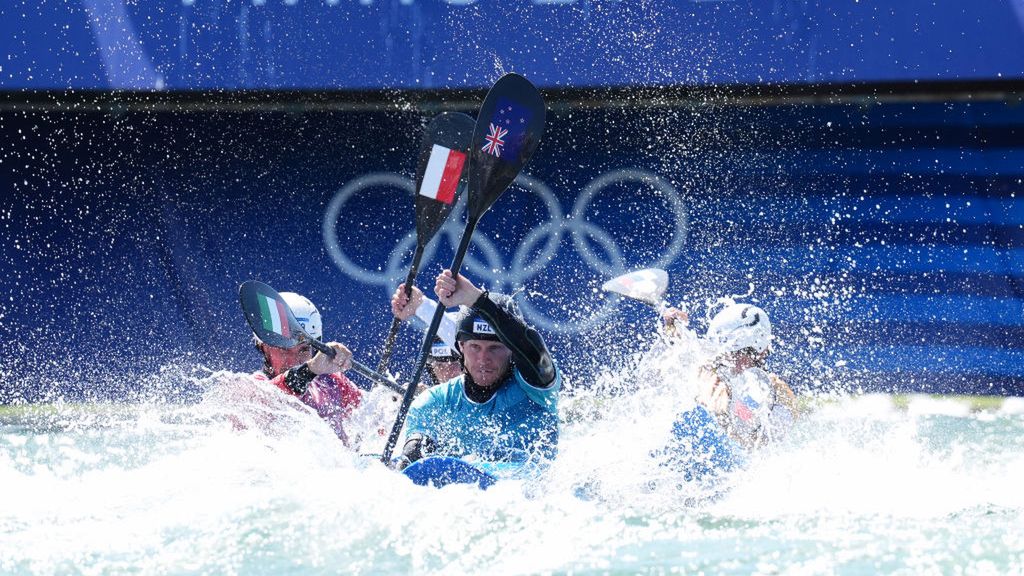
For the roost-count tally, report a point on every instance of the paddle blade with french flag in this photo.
(441, 173)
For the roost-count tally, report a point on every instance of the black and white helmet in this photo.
(473, 326)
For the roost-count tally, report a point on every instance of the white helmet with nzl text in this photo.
(306, 313)
(740, 326)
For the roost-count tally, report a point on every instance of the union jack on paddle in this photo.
(495, 140)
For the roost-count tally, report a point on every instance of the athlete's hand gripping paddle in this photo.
(508, 129)
(273, 322)
(440, 179)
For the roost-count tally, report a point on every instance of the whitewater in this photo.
(259, 485)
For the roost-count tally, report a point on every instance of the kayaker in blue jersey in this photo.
(505, 406)
(739, 405)
(444, 361)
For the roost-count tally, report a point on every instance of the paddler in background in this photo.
(739, 405)
(316, 380)
(755, 405)
(505, 406)
(444, 360)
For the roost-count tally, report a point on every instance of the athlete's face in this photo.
(281, 359)
(487, 361)
(445, 370)
(747, 358)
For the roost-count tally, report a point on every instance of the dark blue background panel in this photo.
(446, 44)
(884, 240)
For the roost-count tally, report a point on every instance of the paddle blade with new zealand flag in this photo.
(508, 131)
(440, 174)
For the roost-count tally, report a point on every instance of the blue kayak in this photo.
(439, 471)
(700, 449)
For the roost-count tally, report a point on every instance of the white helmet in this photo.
(306, 313)
(740, 326)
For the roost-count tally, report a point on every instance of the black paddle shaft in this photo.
(507, 132)
(389, 342)
(360, 368)
(367, 372)
(428, 341)
(452, 131)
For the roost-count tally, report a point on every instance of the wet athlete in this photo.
(316, 380)
(752, 404)
(739, 405)
(444, 360)
(505, 406)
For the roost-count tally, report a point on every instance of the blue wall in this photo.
(886, 240)
(370, 44)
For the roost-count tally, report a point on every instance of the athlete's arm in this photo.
(416, 447)
(784, 395)
(420, 309)
(297, 379)
(294, 380)
(447, 330)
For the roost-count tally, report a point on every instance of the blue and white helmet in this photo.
(306, 313)
(740, 326)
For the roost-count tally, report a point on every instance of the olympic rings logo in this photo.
(545, 239)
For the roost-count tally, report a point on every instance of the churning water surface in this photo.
(858, 487)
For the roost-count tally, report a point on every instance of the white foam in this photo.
(159, 489)
(1013, 405)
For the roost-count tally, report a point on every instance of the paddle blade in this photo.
(441, 172)
(508, 131)
(645, 285)
(269, 316)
